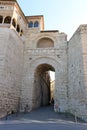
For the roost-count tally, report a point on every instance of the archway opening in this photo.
(14, 22)
(36, 24)
(7, 20)
(18, 28)
(30, 24)
(1, 19)
(44, 86)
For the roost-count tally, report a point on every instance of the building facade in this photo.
(28, 53)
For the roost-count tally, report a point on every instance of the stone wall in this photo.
(83, 32)
(76, 86)
(11, 66)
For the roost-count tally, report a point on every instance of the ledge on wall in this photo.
(49, 31)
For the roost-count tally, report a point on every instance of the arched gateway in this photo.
(28, 53)
(39, 88)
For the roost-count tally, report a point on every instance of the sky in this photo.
(62, 15)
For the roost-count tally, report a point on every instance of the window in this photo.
(36, 24)
(14, 23)
(7, 20)
(30, 24)
(21, 33)
(18, 28)
(1, 19)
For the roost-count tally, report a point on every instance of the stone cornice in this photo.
(6, 2)
(35, 16)
(51, 31)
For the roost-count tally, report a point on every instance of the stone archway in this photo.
(42, 86)
(31, 93)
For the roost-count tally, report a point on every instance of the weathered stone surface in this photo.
(11, 66)
(76, 72)
(28, 53)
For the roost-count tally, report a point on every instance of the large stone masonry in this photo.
(11, 66)
(77, 72)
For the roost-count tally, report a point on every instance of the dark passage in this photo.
(42, 93)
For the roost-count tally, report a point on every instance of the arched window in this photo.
(30, 24)
(14, 22)
(45, 43)
(18, 28)
(1, 19)
(7, 20)
(21, 33)
(36, 24)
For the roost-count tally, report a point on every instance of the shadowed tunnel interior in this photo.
(42, 86)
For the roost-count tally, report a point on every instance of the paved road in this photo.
(41, 119)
